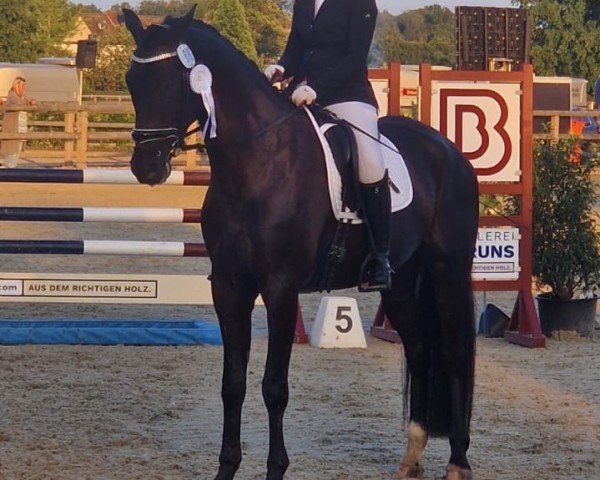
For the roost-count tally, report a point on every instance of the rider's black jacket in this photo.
(330, 51)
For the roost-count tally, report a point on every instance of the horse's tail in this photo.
(438, 405)
(439, 401)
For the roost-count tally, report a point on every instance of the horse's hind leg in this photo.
(437, 331)
(234, 305)
(454, 301)
(282, 308)
(401, 309)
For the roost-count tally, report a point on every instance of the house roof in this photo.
(100, 23)
(104, 22)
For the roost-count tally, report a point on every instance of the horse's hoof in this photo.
(406, 472)
(226, 473)
(456, 473)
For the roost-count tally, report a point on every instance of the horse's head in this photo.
(171, 84)
(159, 83)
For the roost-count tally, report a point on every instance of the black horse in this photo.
(267, 216)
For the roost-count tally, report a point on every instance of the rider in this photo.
(326, 58)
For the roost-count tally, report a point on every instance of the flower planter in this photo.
(575, 314)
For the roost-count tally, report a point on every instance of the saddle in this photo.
(341, 141)
(341, 159)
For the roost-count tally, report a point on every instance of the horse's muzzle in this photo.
(151, 167)
(154, 148)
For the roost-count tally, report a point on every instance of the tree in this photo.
(268, 23)
(421, 35)
(230, 19)
(269, 26)
(205, 8)
(175, 7)
(34, 28)
(112, 62)
(285, 5)
(565, 37)
(389, 40)
(592, 7)
(90, 8)
(120, 6)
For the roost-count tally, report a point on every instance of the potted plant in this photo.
(566, 252)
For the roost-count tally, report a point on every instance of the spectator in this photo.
(15, 121)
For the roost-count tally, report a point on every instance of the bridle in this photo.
(145, 136)
(172, 136)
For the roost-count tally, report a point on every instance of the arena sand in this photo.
(154, 413)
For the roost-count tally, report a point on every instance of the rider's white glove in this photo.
(274, 73)
(303, 95)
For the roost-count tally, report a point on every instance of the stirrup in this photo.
(382, 274)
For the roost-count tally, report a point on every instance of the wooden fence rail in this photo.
(556, 130)
(77, 132)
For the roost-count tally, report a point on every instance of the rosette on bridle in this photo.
(200, 82)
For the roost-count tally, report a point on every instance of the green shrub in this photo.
(566, 254)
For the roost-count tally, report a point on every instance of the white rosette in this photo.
(186, 56)
(201, 83)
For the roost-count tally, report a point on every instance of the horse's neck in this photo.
(257, 131)
(243, 110)
(261, 144)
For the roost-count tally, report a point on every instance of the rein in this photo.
(146, 135)
(259, 133)
(336, 117)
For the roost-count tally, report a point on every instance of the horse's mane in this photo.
(216, 49)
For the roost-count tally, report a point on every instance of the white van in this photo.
(45, 83)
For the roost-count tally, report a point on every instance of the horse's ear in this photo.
(182, 24)
(134, 25)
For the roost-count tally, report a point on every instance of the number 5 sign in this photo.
(483, 120)
(338, 325)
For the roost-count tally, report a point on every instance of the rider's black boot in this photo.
(376, 271)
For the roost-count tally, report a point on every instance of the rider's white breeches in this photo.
(370, 161)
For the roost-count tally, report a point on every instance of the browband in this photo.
(156, 58)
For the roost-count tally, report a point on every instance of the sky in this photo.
(393, 6)
(398, 6)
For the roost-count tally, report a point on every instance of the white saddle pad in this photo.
(394, 162)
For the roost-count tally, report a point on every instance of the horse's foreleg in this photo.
(281, 315)
(233, 305)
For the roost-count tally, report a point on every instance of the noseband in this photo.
(146, 136)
